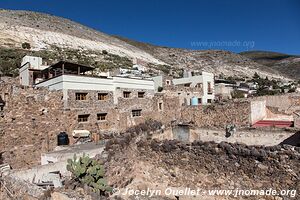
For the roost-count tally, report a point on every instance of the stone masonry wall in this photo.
(218, 115)
(33, 117)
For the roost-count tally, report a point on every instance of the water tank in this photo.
(62, 139)
(194, 101)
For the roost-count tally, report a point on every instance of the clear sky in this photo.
(233, 25)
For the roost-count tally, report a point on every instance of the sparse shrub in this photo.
(160, 89)
(26, 45)
(89, 172)
(237, 94)
(104, 52)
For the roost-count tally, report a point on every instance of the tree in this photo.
(256, 76)
(26, 45)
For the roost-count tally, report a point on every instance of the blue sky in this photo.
(233, 25)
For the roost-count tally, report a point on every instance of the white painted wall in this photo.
(53, 84)
(207, 77)
(24, 74)
(73, 82)
(194, 80)
(131, 83)
(35, 62)
(158, 82)
(258, 111)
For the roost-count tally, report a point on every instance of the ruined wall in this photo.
(204, 165)
(218, 115)
(32, 118)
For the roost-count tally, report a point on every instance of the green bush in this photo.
(90, 172)
(26, 45)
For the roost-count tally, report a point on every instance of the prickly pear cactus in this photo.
(89, 172)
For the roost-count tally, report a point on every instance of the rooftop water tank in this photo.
(194, 101)
(62, 139)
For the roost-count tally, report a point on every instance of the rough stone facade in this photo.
(218, 115)
(33, 117)
(31, 120)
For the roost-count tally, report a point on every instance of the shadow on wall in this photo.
(294, 140)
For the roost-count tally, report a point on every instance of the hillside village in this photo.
(67, 108)
(85, 115)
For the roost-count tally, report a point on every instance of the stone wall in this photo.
(33, 117)
(218, 115)
(266, 137)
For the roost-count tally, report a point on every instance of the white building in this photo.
(29, 70)
(204, 81)
(69, 76)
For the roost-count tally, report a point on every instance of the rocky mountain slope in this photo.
(284, 63)
(65, 39)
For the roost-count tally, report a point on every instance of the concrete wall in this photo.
(42, 172)
(24, 74)
(286, 103)
(53, 84)
(207, 77)
(35, 62)
(249, 137)
(68, 152)
(132, 83)
(265, 137)
(73, 82)
(258, 110)
(158, 82)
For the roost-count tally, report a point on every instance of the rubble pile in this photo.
(207, 165)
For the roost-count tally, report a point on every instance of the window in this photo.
(101, 116)
(199, 100)
(209, 89)
(209, 100)
(81, 96)
(199, 85)
(126, 94)
(136, 113)
(141, 94)
(160, 106)
(83, 118)
(102, 96)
